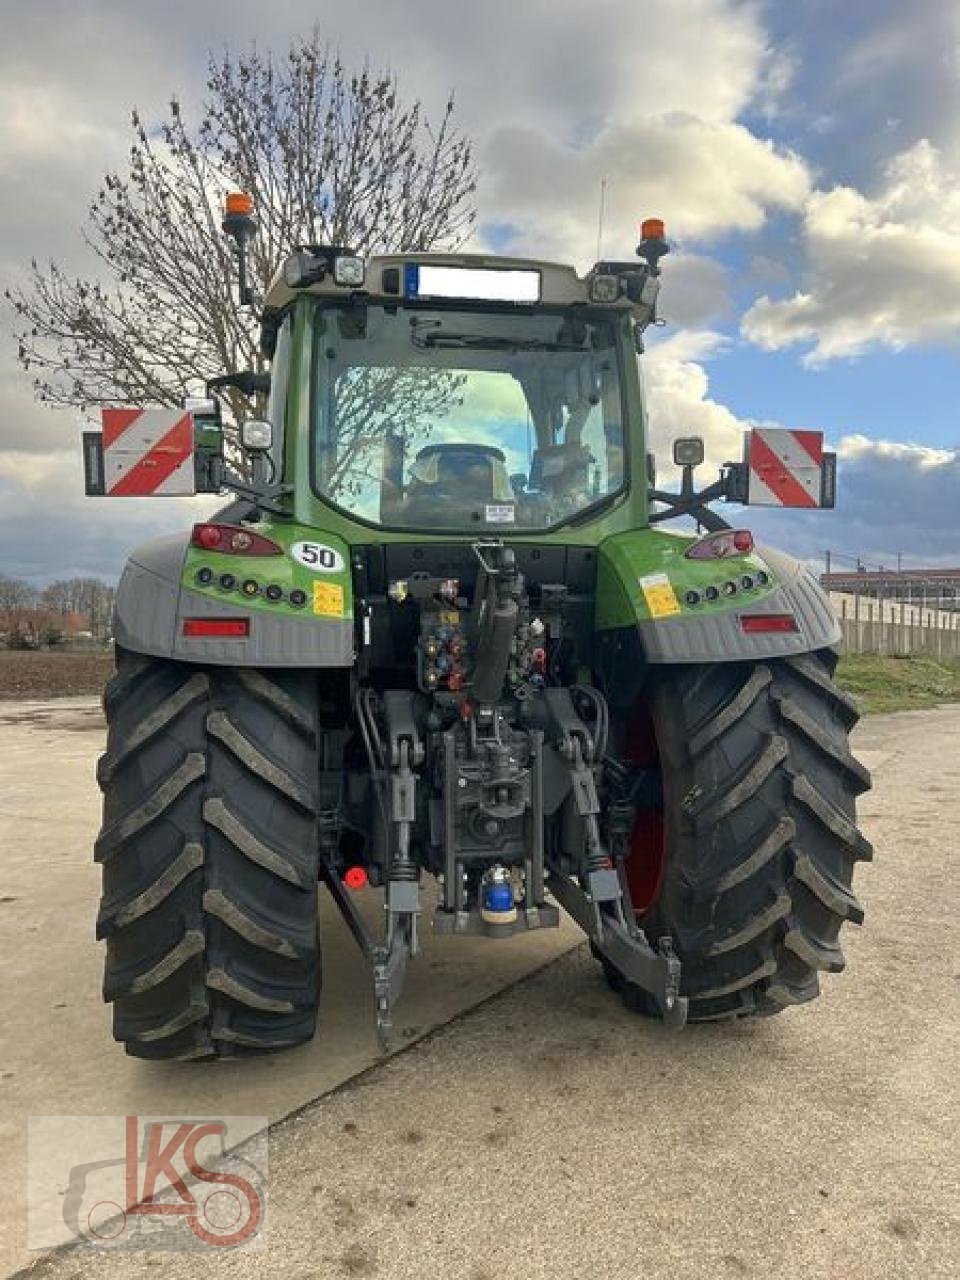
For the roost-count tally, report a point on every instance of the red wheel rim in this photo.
(647, 860)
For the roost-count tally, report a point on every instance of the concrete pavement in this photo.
(57, 1056)
(550, 1133)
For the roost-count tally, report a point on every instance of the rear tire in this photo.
(759, 791)
(209, 854)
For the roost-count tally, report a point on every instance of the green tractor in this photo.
(440, 634)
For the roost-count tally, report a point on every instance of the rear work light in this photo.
(716, 546)
(233, 540)
(753, 623)
(223, 628)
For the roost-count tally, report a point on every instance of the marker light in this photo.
(717, 546)
(240, 202)
(652, 229)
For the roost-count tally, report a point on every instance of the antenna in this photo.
(603, 200)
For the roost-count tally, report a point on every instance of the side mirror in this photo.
(256, 435)
(518, 482)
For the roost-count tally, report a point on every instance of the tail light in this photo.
(717, 546)
(755, 623)
(233, 540)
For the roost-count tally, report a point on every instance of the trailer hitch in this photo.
(393, 758)
(388, 960)
(600, 915)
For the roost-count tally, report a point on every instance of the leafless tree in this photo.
(329, 156)
(63, 596)
(16, 596)
(92, 598)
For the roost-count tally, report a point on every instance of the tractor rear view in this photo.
(439, 634)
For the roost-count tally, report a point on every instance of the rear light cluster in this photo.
(232, 540)
(717, 546)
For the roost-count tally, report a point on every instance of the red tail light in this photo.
(355, 877)
(753, 623)
(233, 540)
(716, 546)
(230, 628)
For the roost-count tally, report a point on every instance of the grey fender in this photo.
(152, 604)
(720, 637)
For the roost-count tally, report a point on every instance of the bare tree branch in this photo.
(329, 157)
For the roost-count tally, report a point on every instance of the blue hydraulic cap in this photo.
(498, 897)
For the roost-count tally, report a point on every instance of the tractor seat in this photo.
(449, 482)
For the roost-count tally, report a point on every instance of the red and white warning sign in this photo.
(148, 451)
(785, 468)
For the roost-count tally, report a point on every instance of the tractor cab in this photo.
(460, 393)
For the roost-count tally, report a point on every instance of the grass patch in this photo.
(899, 684)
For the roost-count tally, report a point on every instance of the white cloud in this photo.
(48, 529)
(679, 403)
(706, 177)
(892, 497)
(567, 68)
(881, 271)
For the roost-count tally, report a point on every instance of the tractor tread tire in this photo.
(209, 857)
(760, 789)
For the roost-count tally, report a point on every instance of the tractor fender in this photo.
(629, 638)
(153, 601)
(720, 637)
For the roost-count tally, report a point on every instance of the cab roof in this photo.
(559, 284)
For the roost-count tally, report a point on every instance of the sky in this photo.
(805, 157)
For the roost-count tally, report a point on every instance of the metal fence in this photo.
(897, 627)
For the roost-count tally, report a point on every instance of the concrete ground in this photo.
(550, 1133)
(57, 1056)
